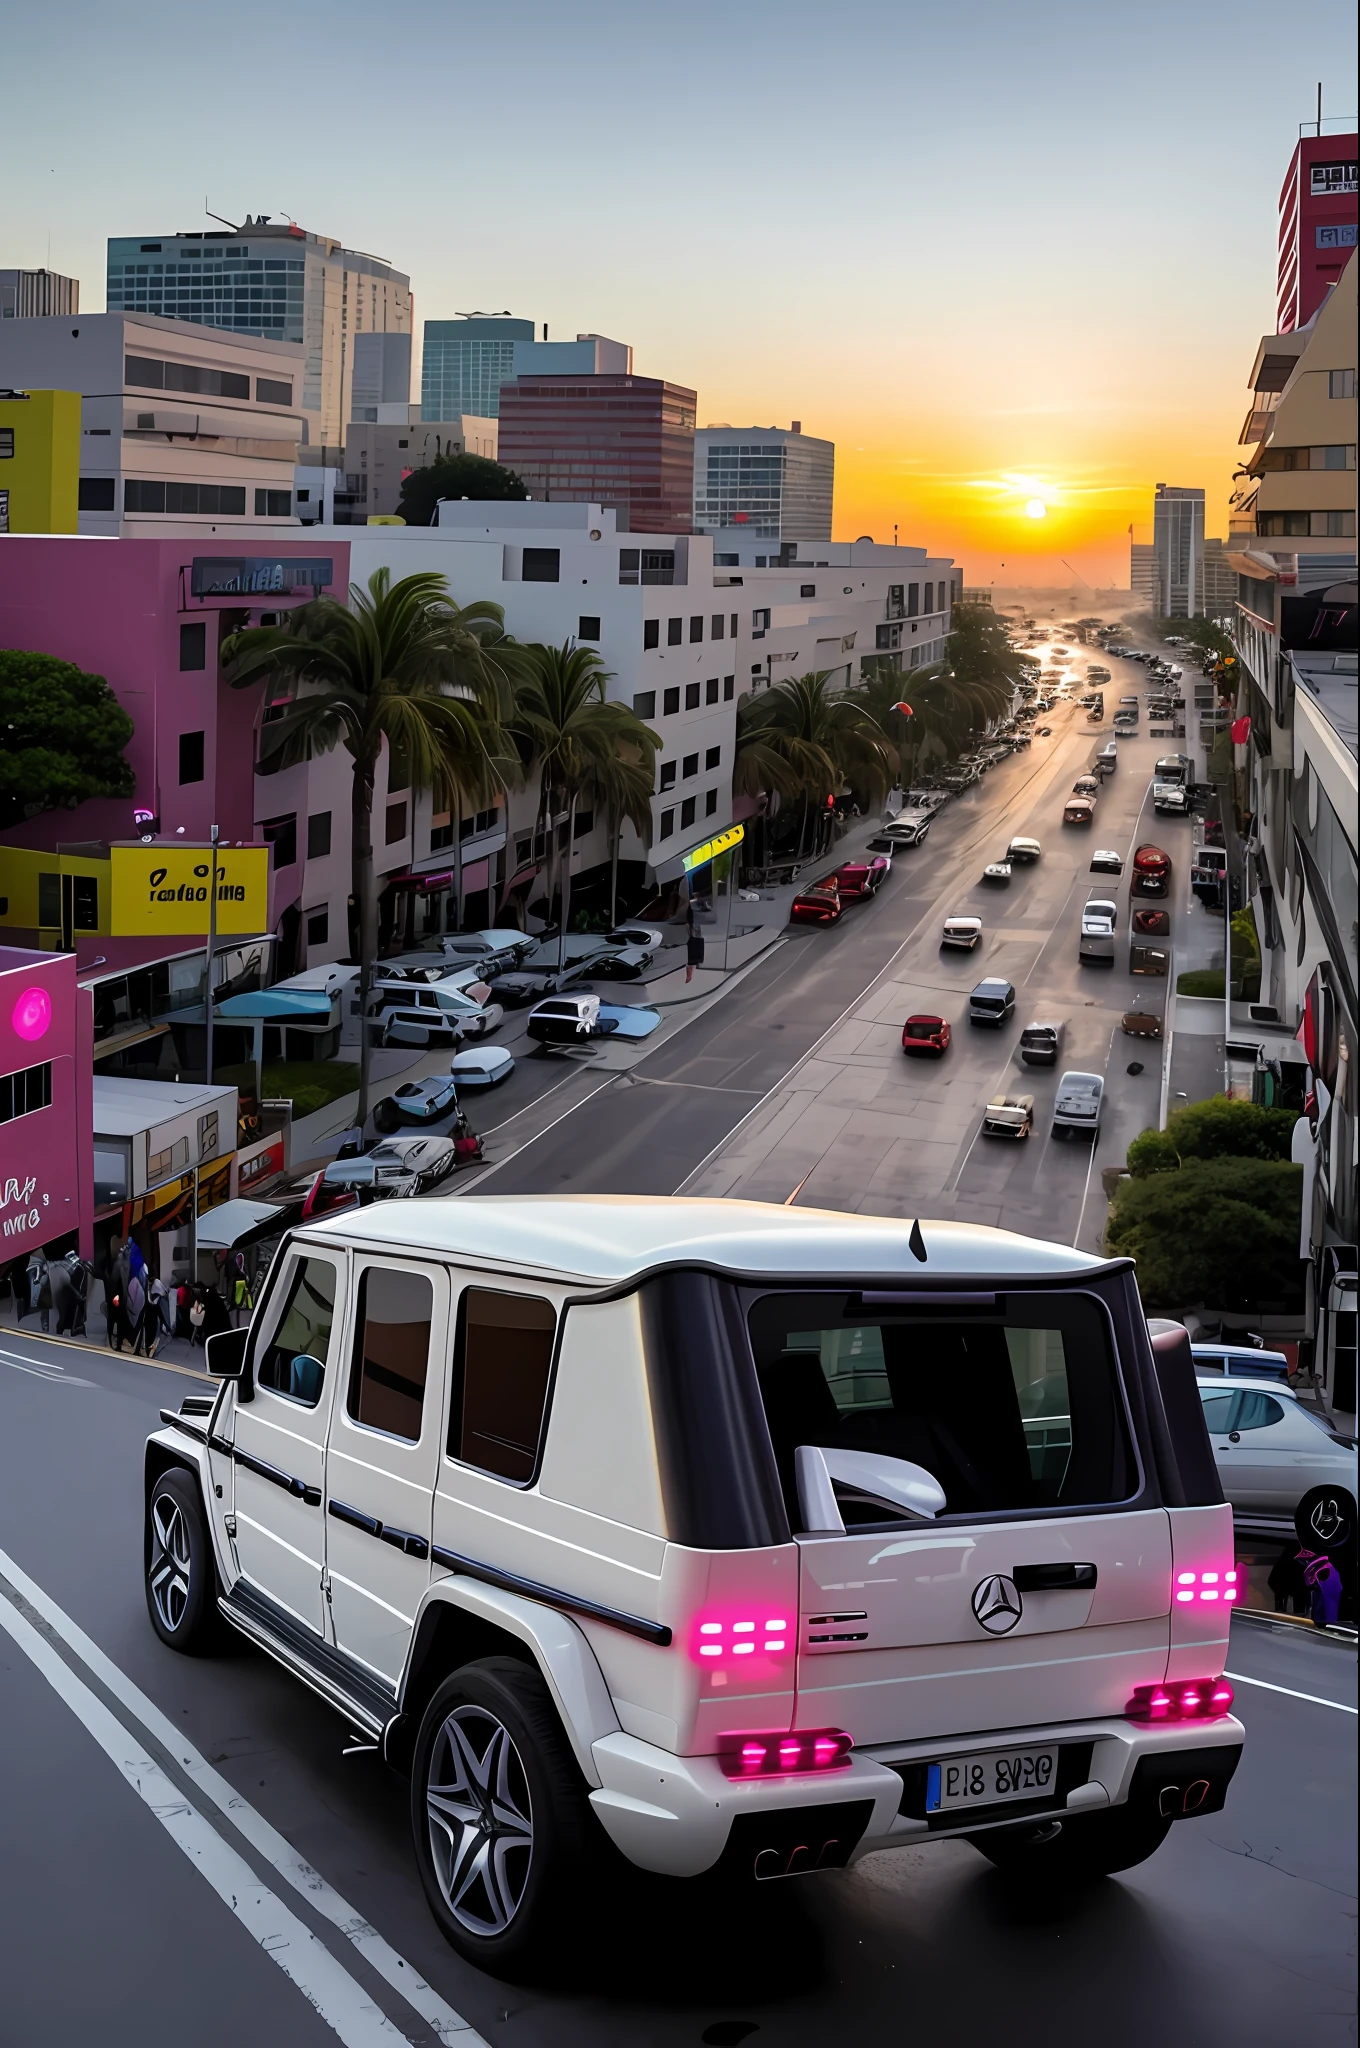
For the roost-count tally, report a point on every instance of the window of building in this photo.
(687, 812)
(391, 1351)
(711, 690)
(760, 619)
(667, 775)
(628, 565)
(146, 373)
(193, 645)
(667, 824)
(318, 927)
(887, 636)
(691, 696)
(696, 629)
(807, 590)
(710, 803)
(273, 504)
(729, 688)
(318, 835)
(273, 391)
(716, 625)
(191, 757)
(502, 1367)
(644, 703)
(726, 561)
(895, 601)
(690, 766)
(6, 444)
(913, 600)
(96, 494)
(670, 702)
(23, 1093)
(540, 565)
(140, 494)
(651, 633)
(281, 834)
(587, 628)
(293, 1362)
(1341, 383)
(49, 901)
(675, 632)
(395, 827)
(583, 823)
(732, 624)
(658, 567)
(713, 757)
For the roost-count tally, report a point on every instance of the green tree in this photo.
(402, 665)
(63, 734)
(811, 741)
(943, 710)
(621, 785)
(454, 476)
(580, 744)
(1220, 1233)
(978, 651)
(1217, 1128)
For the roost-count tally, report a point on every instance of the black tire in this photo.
(1067, 1853)
(543, 1842)
(180, 1575)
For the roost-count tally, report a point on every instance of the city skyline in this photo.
(1036, 288)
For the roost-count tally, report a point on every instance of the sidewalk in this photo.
(171, 1351)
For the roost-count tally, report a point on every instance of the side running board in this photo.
(356, 1693)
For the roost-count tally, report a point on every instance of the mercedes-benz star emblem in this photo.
(997, 1605)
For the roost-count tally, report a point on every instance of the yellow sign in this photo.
(162, 891)
(711, 848)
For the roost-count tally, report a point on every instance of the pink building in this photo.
(46, 1105)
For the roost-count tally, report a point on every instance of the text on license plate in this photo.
(986, 1780)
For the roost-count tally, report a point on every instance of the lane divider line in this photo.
(1313, 1699)
(273, 1847)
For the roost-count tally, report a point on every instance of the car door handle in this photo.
(1052, 1578)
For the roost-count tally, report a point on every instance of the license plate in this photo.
(990, 1779)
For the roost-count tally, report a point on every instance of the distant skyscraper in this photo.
(37, 294)
(465, 362)
(1143, 574)
(1317, 225)
(772, 483)
(626, 442)
(1178, 538)
(277, 281)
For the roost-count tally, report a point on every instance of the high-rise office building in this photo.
(625, 442)
(1317, 225)
(35, 294)
(380, 388)
(1143, 574)
(276, 281)
(1178, 537)
(766, 483)
(466, 361)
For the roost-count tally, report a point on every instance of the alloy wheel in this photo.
(480, 1818)
(171, 1561)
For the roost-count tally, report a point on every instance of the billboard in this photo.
(161, 891)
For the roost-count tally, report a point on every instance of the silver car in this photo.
(1271, 1451)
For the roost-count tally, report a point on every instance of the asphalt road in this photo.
(135, 1908)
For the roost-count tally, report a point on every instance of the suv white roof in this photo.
(604, 1239)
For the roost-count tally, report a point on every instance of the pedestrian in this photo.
(239, 1299)
(694, 945)
(63, 1295)
(198, 1314)
(163, 1302)
(40, 1290)
(117, 1314)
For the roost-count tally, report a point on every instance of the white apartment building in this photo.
(183, 427)
(758, 485)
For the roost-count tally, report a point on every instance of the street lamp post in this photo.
(208, 1041)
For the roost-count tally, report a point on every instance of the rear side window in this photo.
(1257, 1411)
(1218, 1413)
(391, 1351)
(1011, 1409)
(293, 1363)
(502, 1364)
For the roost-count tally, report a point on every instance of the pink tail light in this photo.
(1196, 1587)
(753, 1634)
(1182, 1699)
(778, 1755)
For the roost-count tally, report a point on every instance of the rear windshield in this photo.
(1011, 1408)
(986, 1003)
(922, 1030)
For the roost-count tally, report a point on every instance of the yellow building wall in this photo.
(26, 905)
(42, 476)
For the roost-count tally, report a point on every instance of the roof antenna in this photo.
(1319, 106)
(916, 1243)
(217, 216)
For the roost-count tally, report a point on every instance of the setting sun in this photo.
(1036, 509)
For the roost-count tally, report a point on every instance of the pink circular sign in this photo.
(32, 1014)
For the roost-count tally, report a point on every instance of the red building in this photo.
(46, 1113)
(1317, 225)
(625, 442)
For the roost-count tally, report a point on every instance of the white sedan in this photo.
(482, 1066)
(1271, 1451)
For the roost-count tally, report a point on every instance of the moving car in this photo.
(1079, 810)
(856, 878)
(418, 1102)
(992, 1001)
(1238, 1361)
(1024, 850)
(424, 1160)
(1140, 1024)
(1272, 1453)
(819, 904)
(1152, 924)
(963, 932)
(1040, 1044)
(1078, 1104)
(1097, 929)
(997, 872)
(1086, 785)
(495, 1554)
(1105, 861)
(1008, 1116)
(1151, 872)
(926, 1035)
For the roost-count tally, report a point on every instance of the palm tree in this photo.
(567, 730)
(402, 664)
(802, 738)
(928, 703)
(621, 784)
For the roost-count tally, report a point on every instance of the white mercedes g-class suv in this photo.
(737, 1537)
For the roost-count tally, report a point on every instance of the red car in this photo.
(926, 1035)
(821, 904)
(1152, 924)
(862, 877)
(1151, 872)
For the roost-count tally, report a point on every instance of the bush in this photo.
(1200, 981)
(1215, 1129)
(310, 1083)
(1222, 1233)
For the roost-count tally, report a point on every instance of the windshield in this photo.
(929, 1029)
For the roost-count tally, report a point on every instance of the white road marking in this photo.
(268, 1843)
(1313, 1699)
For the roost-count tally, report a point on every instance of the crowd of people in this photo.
(139, 1311)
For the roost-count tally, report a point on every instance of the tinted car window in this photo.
(1016, 1409)
(1218, 1413)
(1257, 1411)
(502, 1364)
(391, 1351)
(293, 1363)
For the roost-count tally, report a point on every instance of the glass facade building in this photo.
(215, 284)
(772, 483)
(621, 441)
(466, 362)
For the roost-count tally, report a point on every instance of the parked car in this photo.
(644, 935)
(1078, 1105)
(404, 1024)
(493, 951)
(453, 1559)
(962, 932)
(997, 873)
(819, 904)
(1086, 785)
(1079, 810)
(1027, 851)
(417, 1102)
(1238, 1361)
(1151, 872)
(1140, 1024)
(483, 1066)
(621, 963)
(858, 878)
(992, 1001)
(350, 1184)
(529, 984)
(1040, 1044)
(1151, 924)
(566, 1020)
(1105, 861)
(1044, 731)
(1272, 1453)
(1008, 1116)
(927, 1036)
(424, 1160)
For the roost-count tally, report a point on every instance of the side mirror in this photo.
(895, 1481)
(224, 1354)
